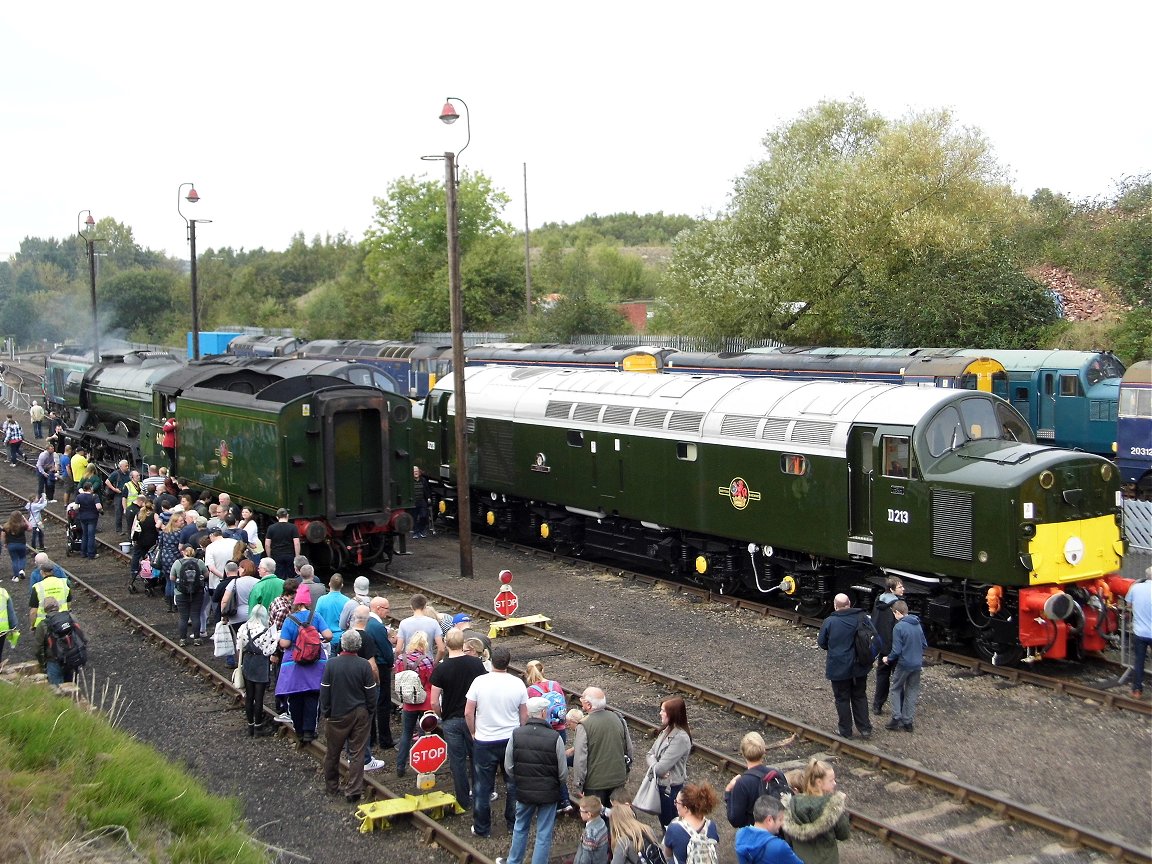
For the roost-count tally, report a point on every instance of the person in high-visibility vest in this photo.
(50, 585)
(8, 631)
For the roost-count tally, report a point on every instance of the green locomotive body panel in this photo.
(923, 481)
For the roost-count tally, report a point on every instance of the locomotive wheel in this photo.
(813, 607)
(377, 543)
(996, 653)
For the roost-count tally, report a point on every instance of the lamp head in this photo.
(448, 114)
(90, 223)
(192, 197)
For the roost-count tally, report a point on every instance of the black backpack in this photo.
(651, 853)
(866, 642)
(774, 783)
(189, 579)
(66, 643)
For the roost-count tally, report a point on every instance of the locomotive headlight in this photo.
(1047, 478)
(1028, 530)
(982, 557)
(1106, 471)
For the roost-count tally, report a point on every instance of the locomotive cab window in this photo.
(685, 452)
(792, 463)
(897, 456)
(575, 438)
(1070, 386)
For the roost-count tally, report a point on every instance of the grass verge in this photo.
(70, 779)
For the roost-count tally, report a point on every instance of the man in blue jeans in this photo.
(907, 658)
(496, 705)
(451, 682)
(535, 760)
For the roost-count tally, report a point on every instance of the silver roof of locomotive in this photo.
(811, 416)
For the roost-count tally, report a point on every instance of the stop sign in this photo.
(506, 603)
(428, 754)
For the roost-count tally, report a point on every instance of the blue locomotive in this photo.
(1134, 429)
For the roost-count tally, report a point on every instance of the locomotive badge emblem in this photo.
(540, 464)
(738, 493)
(224, 453)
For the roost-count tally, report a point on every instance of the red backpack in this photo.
(306, 649)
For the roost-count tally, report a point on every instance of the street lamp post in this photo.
(90, 244)
(451, 182)
(192, 197)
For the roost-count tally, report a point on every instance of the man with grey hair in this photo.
(348, 697)
(316, 588)
(602, 750)
(536, 763)
(268, 588)
(368, 650)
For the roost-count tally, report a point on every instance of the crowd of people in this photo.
(325, 654)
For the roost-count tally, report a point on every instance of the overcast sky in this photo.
(292, 117)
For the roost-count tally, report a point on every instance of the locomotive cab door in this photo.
(861, 474)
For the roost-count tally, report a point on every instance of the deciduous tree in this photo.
(842, 198)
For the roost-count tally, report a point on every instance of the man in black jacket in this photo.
(348, 699)
(535, 758)
(884, 619)
(849, 678)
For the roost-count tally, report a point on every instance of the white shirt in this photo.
(1140, 599)
(498, 697)
(216, 555)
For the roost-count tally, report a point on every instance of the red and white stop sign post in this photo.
(428, 754)
(506, 602)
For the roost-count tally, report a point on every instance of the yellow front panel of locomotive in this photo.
(1073, 551)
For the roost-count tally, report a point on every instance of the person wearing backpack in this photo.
(633, 842)
(668, 757)
(190, 576)
(843, 668)
(758, 842)
(817, 817)
(884, 619)
(255, 643)
(553, 691)
(907, 658)
(61, 646)
(302, 668)
(415, 695)
(743, 791)
(692, 837)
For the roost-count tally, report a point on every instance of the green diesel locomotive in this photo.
(803, 488)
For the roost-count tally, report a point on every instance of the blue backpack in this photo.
(557, 702)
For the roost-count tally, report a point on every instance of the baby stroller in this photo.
(147, 574)
(75, 532)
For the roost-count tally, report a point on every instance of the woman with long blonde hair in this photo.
(629, 834)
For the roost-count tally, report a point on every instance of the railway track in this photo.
(899, 801)
(1092, 693)
(429, 830)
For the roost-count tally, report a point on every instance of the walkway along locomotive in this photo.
(755, 484)
(271, 432)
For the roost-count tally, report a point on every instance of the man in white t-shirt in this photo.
(217, 554)
(420, 620)
(497, 703)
